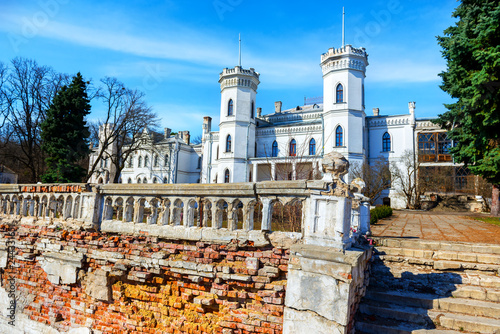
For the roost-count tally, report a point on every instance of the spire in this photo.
(240, 51)
(343, 27)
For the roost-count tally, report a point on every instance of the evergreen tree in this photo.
(471, 48)
(65, 133)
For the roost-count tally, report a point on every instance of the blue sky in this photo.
(175, 50)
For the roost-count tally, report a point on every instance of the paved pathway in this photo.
(437, 226)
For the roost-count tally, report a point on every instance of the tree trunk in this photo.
(495, 205)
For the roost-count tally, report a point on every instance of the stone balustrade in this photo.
(209, 212)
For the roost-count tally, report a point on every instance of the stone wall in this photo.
(183, 258)
(112, 283)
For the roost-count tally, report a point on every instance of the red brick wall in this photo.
(245, 295)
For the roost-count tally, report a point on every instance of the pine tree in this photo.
(472, 50)
(65, 133)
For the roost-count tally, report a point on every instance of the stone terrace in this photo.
(437, 226)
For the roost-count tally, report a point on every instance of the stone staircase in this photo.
(419, 286)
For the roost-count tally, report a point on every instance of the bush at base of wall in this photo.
(379, 213)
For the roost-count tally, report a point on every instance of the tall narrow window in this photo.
(156, 160)
(293, 148)
(226, 176)
(139, 162)
(340, 93)
(312, 147)
(252, 111)
(166, 160)
(274, 152)
(230, 108)
(386, 142)
(217, 154)
(199, 162)
(146, 161)
(130, 162)
(339, 136)
(228, 143)
(250, 176)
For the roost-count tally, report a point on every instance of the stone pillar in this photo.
(364, 223)
(294, 170)
(326, 275)
(273, 171)
(254, 173)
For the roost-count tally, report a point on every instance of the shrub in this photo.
(380, 212)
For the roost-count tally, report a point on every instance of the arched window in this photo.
(199, 162)
(145, 180)
(312, 147)
(386, 142)
(228, 143)
(230, 107)
(155, 180)
(165, 180)
(139, 162)
(226, 176)
(156, 160)
(146, 161)
(129, 180)
(339, 136)
(293, 148)
(252, 111)
(340, 93)
(274, 152)
(130, 162)
(166, 160)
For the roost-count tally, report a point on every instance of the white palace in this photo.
(288, 144)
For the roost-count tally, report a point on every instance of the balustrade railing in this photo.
(249, 211)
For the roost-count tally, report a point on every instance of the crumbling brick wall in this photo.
(140, 284)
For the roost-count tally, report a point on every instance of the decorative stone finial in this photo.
(335, 165)
(358, 185)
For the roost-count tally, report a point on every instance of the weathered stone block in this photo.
(60, 267)
(97, 285)
(308, 322)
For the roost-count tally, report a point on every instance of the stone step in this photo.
(412, 315)
(396, 271)
(363, 327)
(469, 323)
(419, 318)
(436, 255)
(440, 264)
(437, 303)
(462, 247)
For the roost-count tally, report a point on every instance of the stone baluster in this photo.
(364, 225)
(267, 211)
(232, 217)
(248, 215)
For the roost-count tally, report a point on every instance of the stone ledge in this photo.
(205, 234)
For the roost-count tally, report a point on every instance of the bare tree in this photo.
(127, 114)
(405, 179)
(26, 91)
(377, 177)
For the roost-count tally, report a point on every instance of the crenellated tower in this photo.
(343, 100)
(237, 123)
